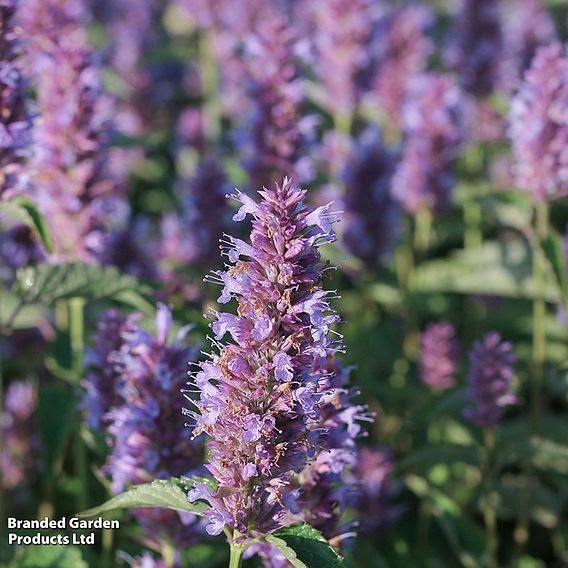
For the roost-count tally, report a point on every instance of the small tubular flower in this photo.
(262, 394)
(539, 125)
(439, 351)
(491, 362)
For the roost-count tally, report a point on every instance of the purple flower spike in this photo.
(21, 443)
(273, 133)
(539, 125)
(101, 382)
(14, 120)
(403, 54)
(431, 124)
(477, 46)
(71, 176)
(134, 390)
(491, 363)
(439, 356)
(369, 227)
(264, 397)
(375, 490)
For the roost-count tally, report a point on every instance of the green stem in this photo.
(472, 214)
(521, 534)
(422, 230)
(76, 331)
(237, 550)
(539, 314)
(342, 122)
(489, 512)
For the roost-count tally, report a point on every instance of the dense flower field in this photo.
(284, 283)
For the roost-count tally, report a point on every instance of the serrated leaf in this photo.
(160, 493)
(46, 283)
(25, 211)
(305, 547)
(553, 249)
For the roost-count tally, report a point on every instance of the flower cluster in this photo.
(528, 27)
(539, 129)
(15, 125)
(101, 382)
(342, 31)
(20, 446)
(477, 46)
(370, 220)
(439, 356)
(431, 124)
(273, 132)
(71, 178)
(263, 395)
(491, 363)
(402, 56)
(134, 390)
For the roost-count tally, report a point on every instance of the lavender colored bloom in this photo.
(71, 181)
(539, 125)
(341, 35)
(528, 26)
(148, 435)
(369, 225)
(261, 395)
(101, 381)
(491, 363)
(477, 46)
(325, 485)
(20, 440)
(14, 120)
(375, 490)
(272, 132)
(432, 128)
(148, 561)
(439, 352)
(403, 54)
(193, 236)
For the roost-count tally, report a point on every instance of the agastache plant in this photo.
(263, 395)
(15, 123)
(491, 362)
(431, 124)
(272, 132)
(149, 439)
(439, 351)
(402, 56)
(71, 178)
(538, 127)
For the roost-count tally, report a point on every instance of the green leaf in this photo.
(26, 211)
(554, 252)
(46, 283)
(305, 547)
(160, 493)
(496, 268)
